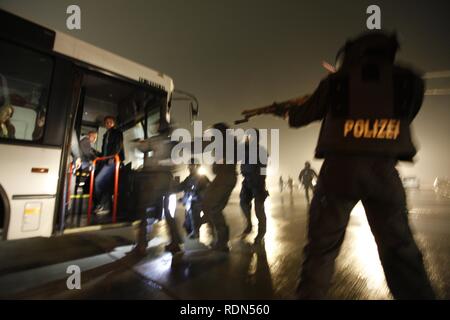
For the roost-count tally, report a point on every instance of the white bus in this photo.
(52, 85)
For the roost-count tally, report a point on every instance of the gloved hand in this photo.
(280, 110)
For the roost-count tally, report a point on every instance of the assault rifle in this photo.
(278, 109)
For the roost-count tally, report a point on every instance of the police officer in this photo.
(306, 177)
(152, 187)
(366, 108)
(219, 191)
(194, 187)
(254, 187)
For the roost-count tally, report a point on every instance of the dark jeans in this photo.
(104, 184)
(257, 191)
(215, 200)
(343, 181)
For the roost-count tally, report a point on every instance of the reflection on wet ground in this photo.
(269, 270)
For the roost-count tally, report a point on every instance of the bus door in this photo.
(133, 106)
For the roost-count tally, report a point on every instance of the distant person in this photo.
(281, 184)
(7, 129)
(306, 178)
(290, 184)
(104, 180)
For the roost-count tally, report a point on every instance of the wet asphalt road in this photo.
(269, 271)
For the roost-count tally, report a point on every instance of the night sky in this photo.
(243, 54)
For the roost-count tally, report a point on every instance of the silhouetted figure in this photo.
(218, 193)
(290, 184)
(306, 177)
(366, 107)
(254, 188)
(194, 187)
(153, 185)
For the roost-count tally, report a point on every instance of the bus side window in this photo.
(25, 77)
(132, 154)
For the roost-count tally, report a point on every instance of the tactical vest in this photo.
(368, 113)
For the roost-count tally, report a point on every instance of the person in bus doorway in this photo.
(87, 152)
(7, 129)
(306, 178)
(104, 180)
(87, 155)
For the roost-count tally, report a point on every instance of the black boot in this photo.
(173, 248)
(223, 235)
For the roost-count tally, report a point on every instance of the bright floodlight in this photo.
(202, 170)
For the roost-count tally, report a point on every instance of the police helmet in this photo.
(373, 44)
